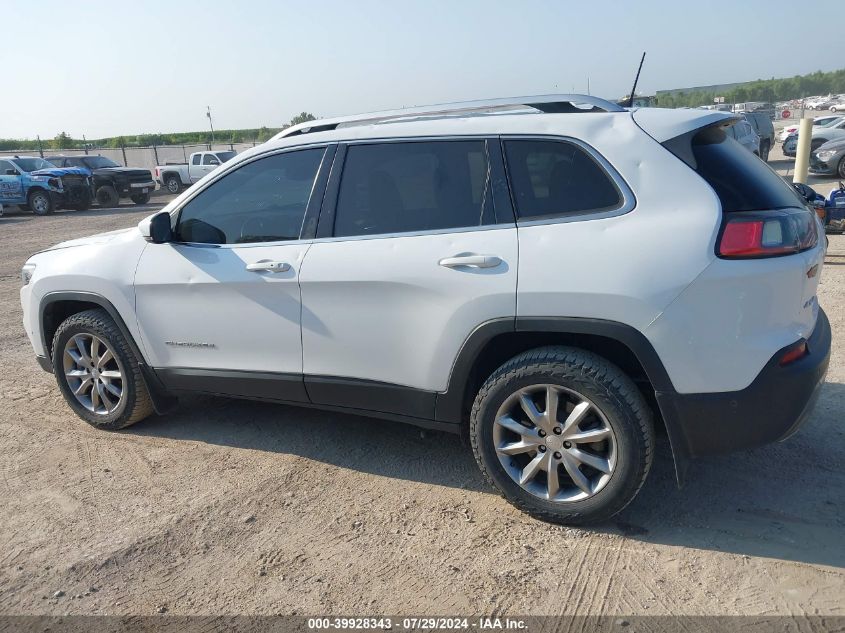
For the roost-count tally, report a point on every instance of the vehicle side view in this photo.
(556, 276)
(176, 176)
(112, 181)
(39, 186)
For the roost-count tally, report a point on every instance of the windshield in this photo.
(224, 156)
(99, 162)
(32, 164)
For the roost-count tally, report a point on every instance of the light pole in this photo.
(208, 114)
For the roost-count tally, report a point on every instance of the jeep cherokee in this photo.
(555, 276)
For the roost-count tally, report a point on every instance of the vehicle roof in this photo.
(542, 114)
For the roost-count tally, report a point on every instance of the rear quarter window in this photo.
(740, 179)
(556, 178)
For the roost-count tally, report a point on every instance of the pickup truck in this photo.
(37, 185)
(111, 181)
(176, 176)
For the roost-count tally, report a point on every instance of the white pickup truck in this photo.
(176, 176)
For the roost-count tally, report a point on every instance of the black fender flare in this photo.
(449, 404)
(162, 400)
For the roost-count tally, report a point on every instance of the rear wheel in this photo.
(141, 198)
(173, 184)
(107, 197)
(41, 202)
(97, 372)
(764, 152)
(563, 434)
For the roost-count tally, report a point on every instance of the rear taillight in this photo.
(756, 234)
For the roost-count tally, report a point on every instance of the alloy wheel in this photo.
(40, 203)
(555, 443)
(93, 374)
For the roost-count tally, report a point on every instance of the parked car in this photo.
(838, 105)
(817, 103)
(373, 269)
(819, 121)
(176, 176)
(765, 130)
(759, 107)
(821, 135)
(829, 159)
(112, 181)
(745, 135)
(37, 185)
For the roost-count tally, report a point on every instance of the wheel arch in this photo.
(166, 174)
(55, 307)
(494, 342)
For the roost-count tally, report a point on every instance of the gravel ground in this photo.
(228, 507)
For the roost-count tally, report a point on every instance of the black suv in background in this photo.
(762, 124)
(111, 181)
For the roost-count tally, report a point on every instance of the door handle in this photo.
(476, 261)
(268, 266)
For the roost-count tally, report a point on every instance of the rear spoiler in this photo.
(681, 143)
(663, 124)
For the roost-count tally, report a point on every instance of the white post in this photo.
(802, 155)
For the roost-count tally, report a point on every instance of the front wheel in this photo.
(41, 202)
(98, 373)
(140, 198)
(840, 171)
(107, 197)
(563, 435)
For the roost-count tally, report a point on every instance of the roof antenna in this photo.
(636, 79)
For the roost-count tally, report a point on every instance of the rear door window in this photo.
(557, 178)
(412, 187)
(742, 181)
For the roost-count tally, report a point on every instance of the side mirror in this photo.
(156, 229)
(160, 229)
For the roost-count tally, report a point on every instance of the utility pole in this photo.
(208, 114)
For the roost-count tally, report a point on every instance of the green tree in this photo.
(62, 141)
(302, 117)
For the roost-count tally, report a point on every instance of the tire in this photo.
(764, 152)
(614, 407)
(840, 170)
(107, 197)
(41, 202)
(105, 410)
(140, 198)
(173, 184)
(84, 204)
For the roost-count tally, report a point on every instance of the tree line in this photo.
(767, 90)
(63, 141)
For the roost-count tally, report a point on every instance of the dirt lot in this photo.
(227, 507)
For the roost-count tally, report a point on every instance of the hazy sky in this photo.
(125, 67)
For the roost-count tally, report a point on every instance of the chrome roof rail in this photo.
(562, 103)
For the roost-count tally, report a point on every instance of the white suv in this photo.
(556, 276)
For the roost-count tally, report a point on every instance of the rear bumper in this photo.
(770, 409)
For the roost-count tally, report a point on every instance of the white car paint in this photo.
(383, 308)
